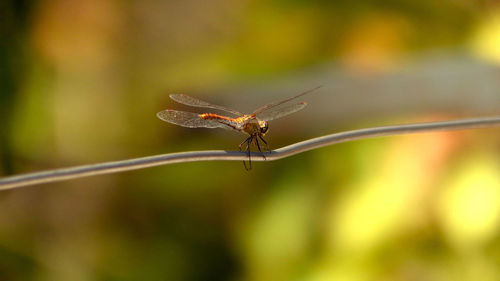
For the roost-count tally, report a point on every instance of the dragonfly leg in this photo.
(248, 141)
(243, 142)
(265, 142)
(258, 146)
(249, 144)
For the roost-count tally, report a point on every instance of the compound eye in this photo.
(264, 128)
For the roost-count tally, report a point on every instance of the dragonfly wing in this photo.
(189, 119)
(278, 112)
(280, 102)
(188, 100)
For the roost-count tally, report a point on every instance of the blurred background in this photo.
(82, 80)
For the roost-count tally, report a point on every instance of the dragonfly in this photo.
(255, 125)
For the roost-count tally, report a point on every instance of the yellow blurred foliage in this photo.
(276, 235)
(392, 198)
(486, 42)
(469, 205)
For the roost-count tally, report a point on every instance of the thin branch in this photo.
(144, 162)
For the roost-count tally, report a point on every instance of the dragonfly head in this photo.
(264, 126)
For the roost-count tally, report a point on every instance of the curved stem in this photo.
(287, 151)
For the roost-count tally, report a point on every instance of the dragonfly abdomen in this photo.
(231, 122)
(213, 116)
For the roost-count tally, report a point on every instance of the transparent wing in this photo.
(188, 119)
(187, 100)
(278, 112)
(268, 106)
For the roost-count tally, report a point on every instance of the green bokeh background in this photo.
(82, 80)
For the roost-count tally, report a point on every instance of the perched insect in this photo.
(254, 124)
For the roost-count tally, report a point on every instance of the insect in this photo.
(254, 124)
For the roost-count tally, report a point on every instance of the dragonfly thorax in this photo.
(255, 127)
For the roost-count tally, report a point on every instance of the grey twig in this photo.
(144, 162)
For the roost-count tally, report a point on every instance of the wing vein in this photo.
(190, 120)
(188, 100)
(280, 102)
